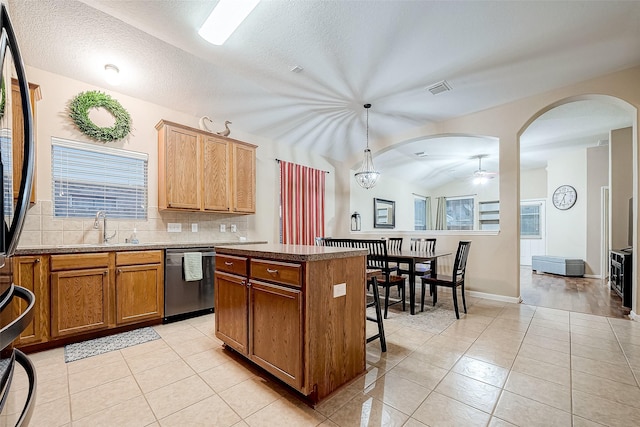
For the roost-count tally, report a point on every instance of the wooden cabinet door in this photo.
(79, 301)
(231, 302)
(182, 169)
(18, 134)
(139, 293)
(244, 178)
(216, 182)
(275, 330)
(30, 272)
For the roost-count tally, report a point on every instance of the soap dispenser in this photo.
(134, 237)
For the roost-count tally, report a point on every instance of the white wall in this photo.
(597, 177)
(533, 183)
(620, 172)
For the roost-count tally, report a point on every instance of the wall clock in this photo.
(564, 197)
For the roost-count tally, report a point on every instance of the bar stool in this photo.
(371, 279)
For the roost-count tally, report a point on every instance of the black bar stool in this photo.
(371, 279)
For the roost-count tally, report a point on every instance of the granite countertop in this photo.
(113, 247)
(281, 252)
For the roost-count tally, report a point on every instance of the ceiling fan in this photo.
(481, 176)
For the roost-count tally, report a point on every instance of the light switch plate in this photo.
(223, 228)
(339, 290)
(234, 229)
(194, 228)
(174, 227)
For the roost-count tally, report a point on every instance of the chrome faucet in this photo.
(105, 237)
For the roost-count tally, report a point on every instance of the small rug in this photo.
(94, 347)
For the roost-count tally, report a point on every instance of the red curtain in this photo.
(302, 203)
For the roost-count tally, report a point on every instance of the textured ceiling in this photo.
(352, 52)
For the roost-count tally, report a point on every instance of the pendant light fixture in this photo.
(367, 176)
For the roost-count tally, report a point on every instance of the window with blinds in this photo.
(460, 213)
(7, 170)
(89, 178)
(420, 213)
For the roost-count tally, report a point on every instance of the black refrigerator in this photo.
(16, 176)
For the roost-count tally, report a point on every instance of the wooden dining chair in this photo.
(421, 244)
(379, 259)
(394, 244)
(454, 281)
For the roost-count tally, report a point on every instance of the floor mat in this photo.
(102, 345)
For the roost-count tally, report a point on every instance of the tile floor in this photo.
(501, 364)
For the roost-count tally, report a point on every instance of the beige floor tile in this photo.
(552, 314)
(550, 343)
(594, 333)
(212, 411)
(469, 391)
(170, 328)
(177, 337)
(147, 347)
(92, 377)
(482, 371)
(16, 400)
(226, 375)
(208, 359)
(160, 376)
(56, 354)
(545, 355)
(604, 411)
(241, 424)
(588, 317)
(94, 362)
(103, 396)
(450, 342)
(286, 413)
(551, 324)
(412, 422)
(520, 325)
(489, 354)
(546, 392)
(549, 333)
(629, 337)
(141, 362)
(596, 342)
(52, 390)
(398, 392)
(51, 414)
(51, 369)
(250, 396)
(192, 346)
(366, 411)
(601, 326)
(543, 370)
(409, 335)
(608, 356)
(514, 409)
(440, 410)
(497, 422)
(581, 422)
(421, 373)
(442, 357)
(329, 406)
(177, 396)
(133, 412)
(621, 374)
(607, 389)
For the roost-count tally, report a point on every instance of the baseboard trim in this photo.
(494, 297)
(633, 315)
(593, 276)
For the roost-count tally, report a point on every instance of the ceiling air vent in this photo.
(441, 86)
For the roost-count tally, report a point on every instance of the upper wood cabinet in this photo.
(201, 171)
(18, 133)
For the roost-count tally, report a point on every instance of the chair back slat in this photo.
(420, 244)
(460, 264)
(394, 244)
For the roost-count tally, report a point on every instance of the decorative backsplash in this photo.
(41, 228)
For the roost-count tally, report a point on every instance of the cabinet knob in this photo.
(119, 270)
(37, 260)
(243, 283)
(104, 273)
(270, 271)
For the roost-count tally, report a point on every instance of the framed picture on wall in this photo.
(384, 213)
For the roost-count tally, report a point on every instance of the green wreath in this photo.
(79, 113)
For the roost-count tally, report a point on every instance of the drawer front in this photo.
(231, 264)
(278, 272)
(138, 257)
(78, 261)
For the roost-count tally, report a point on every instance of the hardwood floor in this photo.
(591, 296)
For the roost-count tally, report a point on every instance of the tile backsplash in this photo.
(42, 228)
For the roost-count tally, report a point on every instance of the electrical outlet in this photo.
(194, 228)
(174, 227)
(223, 228)
(234, 229)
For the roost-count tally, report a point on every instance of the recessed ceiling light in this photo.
(225, 18)
(112, 74)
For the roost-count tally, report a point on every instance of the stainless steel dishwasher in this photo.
(184, 299)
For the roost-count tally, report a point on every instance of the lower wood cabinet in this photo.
(79, 301)
(31, 272)
(231, 308)
(139, 286)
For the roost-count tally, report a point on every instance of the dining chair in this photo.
(455, 280)
(379, 259)
(394, 244)
(421, 244)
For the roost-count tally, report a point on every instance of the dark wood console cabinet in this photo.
(620, 275)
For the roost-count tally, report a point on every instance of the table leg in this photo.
(412, 287)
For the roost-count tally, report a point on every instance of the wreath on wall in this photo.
(79, 113)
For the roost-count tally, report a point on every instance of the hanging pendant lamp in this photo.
(367, 176)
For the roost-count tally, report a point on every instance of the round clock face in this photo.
(564, 197)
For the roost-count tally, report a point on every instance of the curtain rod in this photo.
(278, 160)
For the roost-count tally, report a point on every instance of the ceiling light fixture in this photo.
(112, 74)
(225, 18)
(368, 175)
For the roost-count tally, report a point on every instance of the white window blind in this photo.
(460, 213)
(420, 213)
(7, 170)
(89, 178)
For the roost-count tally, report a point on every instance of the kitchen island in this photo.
(296, 311)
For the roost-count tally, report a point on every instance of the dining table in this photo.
(411, 258)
